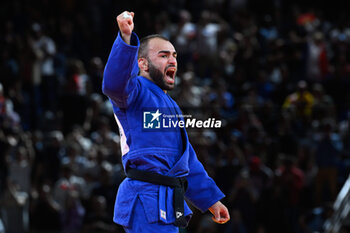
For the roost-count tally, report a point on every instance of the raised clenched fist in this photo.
(126, 25)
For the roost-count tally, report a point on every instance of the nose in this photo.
(172, 60)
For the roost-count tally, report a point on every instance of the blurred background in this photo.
(277, 73)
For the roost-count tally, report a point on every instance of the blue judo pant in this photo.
(139, 223)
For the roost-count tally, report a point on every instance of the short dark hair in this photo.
(143, 49)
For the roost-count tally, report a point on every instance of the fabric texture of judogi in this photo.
(167, 152)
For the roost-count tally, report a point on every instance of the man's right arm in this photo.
(118, 83)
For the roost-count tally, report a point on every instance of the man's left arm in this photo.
(202, 191)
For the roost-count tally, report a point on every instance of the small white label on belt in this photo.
(163, 214)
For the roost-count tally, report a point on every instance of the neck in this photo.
(146, 75)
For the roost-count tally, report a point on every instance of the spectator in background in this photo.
(260, 174)
(2, 227)
(220, 98)
(314, 220)
(344, 131)
(300, 102)
(105, 187)
(344, 162)
(251, 96)
(327, 153)
(323, 105)
(43, 71)
(185, 38)
(230, 164)
(206, 225)
(235, 225)
(4, 147)
(243, 197)
(95, 73)
(94, 112)
(274, 220)
(74, 100)
(97, 218)
(47, 163)
(227, 54)
(317, 61)
(15, 204)
(20, 168)
(63, 188)
(44, 210)
(190, 94)
(72, 213)
(291, 180)
(2, 103)
(74, 158)
(210, 26)
(306, 162)
(269, 47)
(8, 116)
(286, 135)
(247, 118)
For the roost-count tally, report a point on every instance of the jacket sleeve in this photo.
(202, 191)
(119, 78)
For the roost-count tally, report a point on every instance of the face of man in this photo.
(162, 64)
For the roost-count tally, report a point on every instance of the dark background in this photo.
(277, 73)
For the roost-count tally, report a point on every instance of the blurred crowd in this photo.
(276, 73)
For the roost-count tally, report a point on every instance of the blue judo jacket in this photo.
(167, 152)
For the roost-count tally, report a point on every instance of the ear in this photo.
(143, 64)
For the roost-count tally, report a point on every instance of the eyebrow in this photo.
(167, 52)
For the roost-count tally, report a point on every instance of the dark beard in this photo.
(158, 77)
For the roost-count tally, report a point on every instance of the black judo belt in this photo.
(178, 183)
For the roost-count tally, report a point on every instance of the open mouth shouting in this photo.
(170, 73)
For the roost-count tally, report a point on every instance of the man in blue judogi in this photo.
(161, 165)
